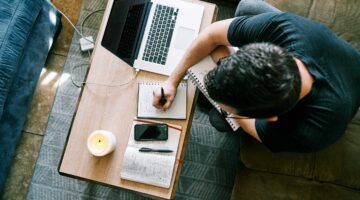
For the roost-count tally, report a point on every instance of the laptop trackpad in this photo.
(184, 38)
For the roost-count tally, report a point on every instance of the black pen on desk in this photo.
(145, 149)
(162, 99)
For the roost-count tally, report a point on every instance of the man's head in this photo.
(260, 80)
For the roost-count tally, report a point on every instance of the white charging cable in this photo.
(86, 44)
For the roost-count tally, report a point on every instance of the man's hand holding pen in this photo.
(164, 96)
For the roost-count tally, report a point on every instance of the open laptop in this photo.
(152, 35)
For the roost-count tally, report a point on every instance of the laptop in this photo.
(152, 35)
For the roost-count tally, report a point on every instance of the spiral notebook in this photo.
(197, 74)
(147, 110)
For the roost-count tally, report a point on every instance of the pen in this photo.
(162, 99)
(145, 149)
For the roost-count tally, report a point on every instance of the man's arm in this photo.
(221, 52)
(213, 36)
(248, 125)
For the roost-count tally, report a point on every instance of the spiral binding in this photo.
(234, 125)
(182, 84)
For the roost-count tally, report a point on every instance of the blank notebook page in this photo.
(147, 110)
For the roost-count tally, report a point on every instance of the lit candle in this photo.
(101, 142)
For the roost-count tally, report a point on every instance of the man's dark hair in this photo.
(260, 80)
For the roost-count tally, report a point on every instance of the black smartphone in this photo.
(151, 132)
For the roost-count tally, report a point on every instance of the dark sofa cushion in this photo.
(17, 18)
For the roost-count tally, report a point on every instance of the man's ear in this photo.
(272, 119)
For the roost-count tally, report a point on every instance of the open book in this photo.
(147, 110)
(151, 167)
(197, 74)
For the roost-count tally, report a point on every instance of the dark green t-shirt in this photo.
(321, 117)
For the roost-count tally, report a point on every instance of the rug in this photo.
(210, 162)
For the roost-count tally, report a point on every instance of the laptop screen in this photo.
(124, 28)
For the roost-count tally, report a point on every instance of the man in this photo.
(291, 85)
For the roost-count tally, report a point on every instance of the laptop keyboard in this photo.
(160, 34)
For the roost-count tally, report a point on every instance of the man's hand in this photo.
(213, 36)
(169, 92)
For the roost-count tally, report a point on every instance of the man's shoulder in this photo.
(280, 16)
(312, 125)
(323, 119)
(268, 16)
(282, 29)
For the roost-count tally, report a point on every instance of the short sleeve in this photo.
(276, 137)
(247, 29)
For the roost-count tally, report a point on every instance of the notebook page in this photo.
(147, 110)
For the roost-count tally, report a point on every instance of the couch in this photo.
(332, 173)
(27, 31)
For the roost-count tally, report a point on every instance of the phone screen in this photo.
(151, 132)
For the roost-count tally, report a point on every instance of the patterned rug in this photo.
(210, 163)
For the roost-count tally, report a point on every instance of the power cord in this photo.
(89, 40)
(84, 83)
(76, 29)
(72, 24)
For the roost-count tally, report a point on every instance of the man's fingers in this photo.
(156, 100)
(166, 105)
(162, 100)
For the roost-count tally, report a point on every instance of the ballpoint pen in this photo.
(162, 99)
(145, 149)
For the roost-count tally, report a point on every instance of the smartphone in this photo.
(151, 132)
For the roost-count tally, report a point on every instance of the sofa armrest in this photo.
(16, 21)
(19, 96)
(343, 17)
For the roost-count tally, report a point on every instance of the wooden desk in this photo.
(113, 109)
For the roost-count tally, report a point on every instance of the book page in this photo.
(147, 110)
(151, 167)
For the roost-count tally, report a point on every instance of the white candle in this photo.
(101, 142)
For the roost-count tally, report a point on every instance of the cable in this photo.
(90, 14)
(82, 26)
(82, 83)
(80, 32)
(71, 24)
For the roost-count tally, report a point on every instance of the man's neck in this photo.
(306, 78)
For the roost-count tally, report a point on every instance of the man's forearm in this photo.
(221, 52)
(212, 37)
(198, 50)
